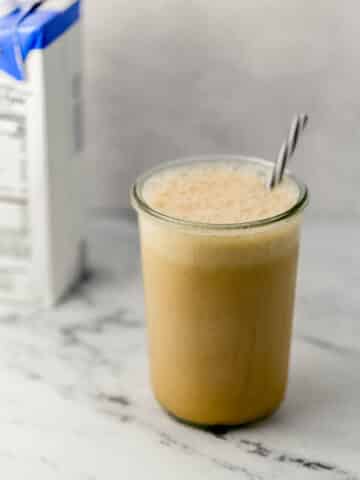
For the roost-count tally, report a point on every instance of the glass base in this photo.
(220, 429)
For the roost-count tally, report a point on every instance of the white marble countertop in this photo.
(75, 401)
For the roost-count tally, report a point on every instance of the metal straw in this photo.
(287, 149)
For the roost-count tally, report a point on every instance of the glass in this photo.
(219, 304)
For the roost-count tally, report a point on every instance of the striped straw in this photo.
(287, 149)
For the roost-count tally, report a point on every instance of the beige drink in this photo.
(219, 258)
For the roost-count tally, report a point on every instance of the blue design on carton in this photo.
(34, 28)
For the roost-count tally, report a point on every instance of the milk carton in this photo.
(41, 230)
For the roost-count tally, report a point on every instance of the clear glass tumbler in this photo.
(219, 304)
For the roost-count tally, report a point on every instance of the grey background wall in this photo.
(166, 78)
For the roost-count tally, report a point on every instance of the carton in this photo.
(41, 207)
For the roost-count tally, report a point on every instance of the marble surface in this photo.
(75, 402)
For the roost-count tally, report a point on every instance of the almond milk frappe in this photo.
(219, 254)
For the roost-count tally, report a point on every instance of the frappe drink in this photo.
(219, 255)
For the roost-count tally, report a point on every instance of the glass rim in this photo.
(139, 203)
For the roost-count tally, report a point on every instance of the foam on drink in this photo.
(218, 193)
